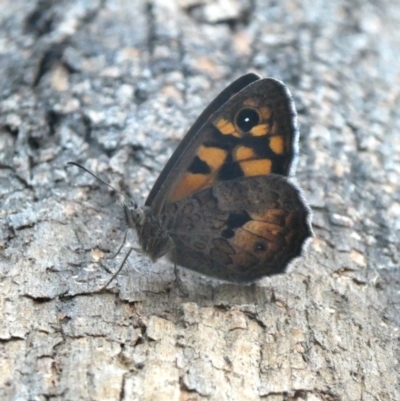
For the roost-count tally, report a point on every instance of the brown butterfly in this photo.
(223, 206)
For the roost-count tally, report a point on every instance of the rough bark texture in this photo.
(114, 85)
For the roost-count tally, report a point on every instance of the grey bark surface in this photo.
(114, 85)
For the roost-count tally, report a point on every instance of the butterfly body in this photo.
(223, 205)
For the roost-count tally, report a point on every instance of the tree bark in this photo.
(114, 85)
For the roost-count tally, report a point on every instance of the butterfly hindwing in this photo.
(239, 230)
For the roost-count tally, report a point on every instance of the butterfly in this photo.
(223, 205)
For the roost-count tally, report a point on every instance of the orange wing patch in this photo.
(261, 248)
(256, 167)
(188, 185)
(243, 153)
(277, 145)
(262, 237)
(212, 159)
(226, 128)
(249, 163)
(260, 130)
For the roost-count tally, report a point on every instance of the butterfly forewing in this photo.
(254, 133)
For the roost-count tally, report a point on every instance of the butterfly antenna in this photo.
(106, 183)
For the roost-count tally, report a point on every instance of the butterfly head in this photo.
(135, 216)
(152, 236)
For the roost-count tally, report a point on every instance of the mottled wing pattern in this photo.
(240, 230)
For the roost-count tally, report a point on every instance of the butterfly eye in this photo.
(246, 119)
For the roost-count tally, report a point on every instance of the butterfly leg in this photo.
(177, 278)
(120, 267)
(113, 257)
(120, 248)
